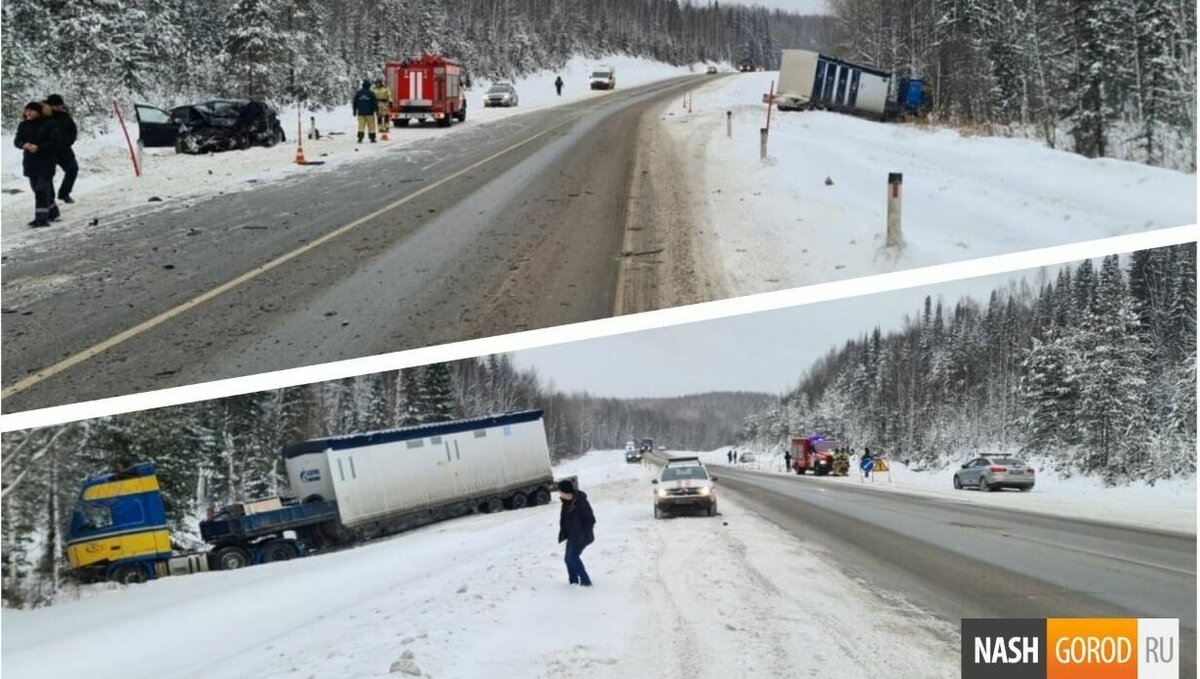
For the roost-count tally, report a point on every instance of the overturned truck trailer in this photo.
(810, 80)
(388, 481)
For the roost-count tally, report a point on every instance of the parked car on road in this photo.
(684, 485)
(501, 94)
(746, 456)
(217, 125)
(711, 70)
(995, 473)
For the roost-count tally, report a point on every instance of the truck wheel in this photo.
(130, 574)
(518, 501)
(658, 513)
(541, 497)
(444, 121)
(401, 122)
(712, 509)
(279, 550)
(493, 505)
(231, 558)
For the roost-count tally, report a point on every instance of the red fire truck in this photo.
(427, 88)
(814, 453)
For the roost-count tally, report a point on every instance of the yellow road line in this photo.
(119, 338)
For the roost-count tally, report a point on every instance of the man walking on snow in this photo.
(366, 106)
(37, 136)
(575, 527)
(67, 133)
(558, 85)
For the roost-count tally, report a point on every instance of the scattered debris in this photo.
(829, 181)
(154, 199)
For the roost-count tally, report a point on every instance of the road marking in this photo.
(119, 338)
(1089, 552)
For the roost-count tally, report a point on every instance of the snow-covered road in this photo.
(816, 209)
(486, 596)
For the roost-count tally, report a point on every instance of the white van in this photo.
(604, 78)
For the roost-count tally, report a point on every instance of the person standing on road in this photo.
(575, 528)
(37, 137)
(558, 85)
(365, 107)
(787, 460)
(383, 102)
(67, 133)
(867, 456)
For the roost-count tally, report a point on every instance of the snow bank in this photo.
(1167, 505)
(486, 596)
(816, 210)
(107, 184)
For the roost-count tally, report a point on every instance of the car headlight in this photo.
(705, 490)
(662, 492)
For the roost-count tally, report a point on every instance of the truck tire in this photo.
(231, 558)
(279, 550)
(518, 501)
(444, 121)
(130, 574)
(541, 497)
(712, 509)
(492, 505)
(658, 513)
(401, 122)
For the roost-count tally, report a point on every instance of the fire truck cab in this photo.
(814, 453)
(429, 88)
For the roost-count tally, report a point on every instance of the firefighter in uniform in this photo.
(365, 107)
(383, 99)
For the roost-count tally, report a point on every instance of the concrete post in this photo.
(895, 236)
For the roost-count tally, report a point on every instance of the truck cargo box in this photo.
(382, 474)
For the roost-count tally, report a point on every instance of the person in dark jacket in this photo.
(575, 527)
(366, 107)
(37, 137)
(67, 133)
(558, 85)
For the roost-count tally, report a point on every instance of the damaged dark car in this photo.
(213, 126)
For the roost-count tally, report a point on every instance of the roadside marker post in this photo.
(137, 168)
(729, 124)
(299, 160)
(895, 237)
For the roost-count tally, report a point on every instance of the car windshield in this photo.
(1008, 461)
(601, 74)
(500, 89)
(681, 473)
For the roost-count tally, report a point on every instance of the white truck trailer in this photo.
(388, 481)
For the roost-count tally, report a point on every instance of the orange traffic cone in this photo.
(300, 154)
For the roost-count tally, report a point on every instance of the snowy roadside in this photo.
(1167, 505)
(816, 209)
(487, 596)
(107, 185)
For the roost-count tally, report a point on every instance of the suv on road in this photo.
(994, 473)
(603, 78)
(684, 485)
(632, 454)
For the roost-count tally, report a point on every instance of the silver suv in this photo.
(994, 473)
(684, 485)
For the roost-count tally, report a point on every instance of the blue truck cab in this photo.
(119, 531)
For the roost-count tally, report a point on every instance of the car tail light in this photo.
(1031, 470)
(997, 469)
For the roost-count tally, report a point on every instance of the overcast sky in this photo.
(765, 351)
(798, 6)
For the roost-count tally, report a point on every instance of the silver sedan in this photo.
(994, 473)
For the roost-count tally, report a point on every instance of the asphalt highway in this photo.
(506, 226)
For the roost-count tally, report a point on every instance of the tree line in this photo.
(171, 51)
(1093, 372)
(216, 452)
(1101, 77)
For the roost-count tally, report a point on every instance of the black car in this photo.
(217, 125)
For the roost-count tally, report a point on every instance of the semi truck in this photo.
(430, 87)
(345, 489)
(809, 80)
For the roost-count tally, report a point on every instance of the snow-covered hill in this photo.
(486, 596)
(816, 209)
